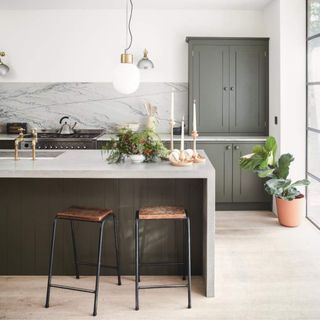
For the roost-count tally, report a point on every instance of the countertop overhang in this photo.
(89, 164)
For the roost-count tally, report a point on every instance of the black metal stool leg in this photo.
(96, 291)
(53, 238)
(75, 257)
(116, 244)
(184, 250)
(189, 262)
(137, 262)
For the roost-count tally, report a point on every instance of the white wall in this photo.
(84, 45)
(293, 80)
(272, 25)
(286, 26)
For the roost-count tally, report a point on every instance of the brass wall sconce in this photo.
(4, 69)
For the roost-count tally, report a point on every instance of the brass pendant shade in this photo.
(126, 58)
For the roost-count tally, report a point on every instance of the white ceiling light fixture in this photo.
(126, 77)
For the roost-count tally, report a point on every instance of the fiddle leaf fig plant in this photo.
(263, 162)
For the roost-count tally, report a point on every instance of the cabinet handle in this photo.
(228, 147)
(236, 147)
(225, 88)
(232, 88)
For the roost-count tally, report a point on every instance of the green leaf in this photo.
(271, 144)
(282, 170)
(264, 173)
(303, 182)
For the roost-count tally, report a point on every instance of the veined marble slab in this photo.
(92, 105)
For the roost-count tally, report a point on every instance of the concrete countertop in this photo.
(90, 164)
(166, 137)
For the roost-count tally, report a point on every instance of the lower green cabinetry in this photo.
(235, 188)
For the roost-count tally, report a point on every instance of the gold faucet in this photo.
(17, 141)
(34, 134)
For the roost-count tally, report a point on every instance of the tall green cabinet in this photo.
(228, 79)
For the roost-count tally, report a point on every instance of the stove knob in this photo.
(50, 147)
(46, 147)
(67, 147)
(71, 147)
(56, 147)
(84, 147)
(39, 147)
(78, 147)
(61, 147)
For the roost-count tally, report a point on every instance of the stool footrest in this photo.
(72, 288)
(159, 264)
(163, 286)
(91, 264)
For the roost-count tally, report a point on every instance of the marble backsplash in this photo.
(92, 105)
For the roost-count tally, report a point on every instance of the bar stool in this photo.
(98, 216)
(163, 213)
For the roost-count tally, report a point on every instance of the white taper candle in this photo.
(182, 134)
(194, 116)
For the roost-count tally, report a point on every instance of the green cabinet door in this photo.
(248, 81)
(220, 155)
(210, 87)
(247, 187)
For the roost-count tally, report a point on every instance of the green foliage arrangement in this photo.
(127, 143)
(263, 161)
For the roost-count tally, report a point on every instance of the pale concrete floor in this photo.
(264, 271)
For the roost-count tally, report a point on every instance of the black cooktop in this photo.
(84, 134)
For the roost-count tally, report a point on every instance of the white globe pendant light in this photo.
(126, 76)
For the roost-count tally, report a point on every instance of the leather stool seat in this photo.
(162, 212)
(84, 214)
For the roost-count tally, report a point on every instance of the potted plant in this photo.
(139, 146)
(289, 199)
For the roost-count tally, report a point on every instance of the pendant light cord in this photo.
(129, 26)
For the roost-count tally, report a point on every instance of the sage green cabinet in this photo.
(228, 79)
(233, 184)
(246, 186)
(220, 154)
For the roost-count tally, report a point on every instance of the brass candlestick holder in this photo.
(196, 157)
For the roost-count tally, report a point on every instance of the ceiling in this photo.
(139, 4)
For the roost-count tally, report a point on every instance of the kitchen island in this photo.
(33, 191)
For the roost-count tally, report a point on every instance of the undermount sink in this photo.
(27, 154)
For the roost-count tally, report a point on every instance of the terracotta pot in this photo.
(290, 212)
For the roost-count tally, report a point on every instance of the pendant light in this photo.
(145, 62)
(126, 77)
(4, 69)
